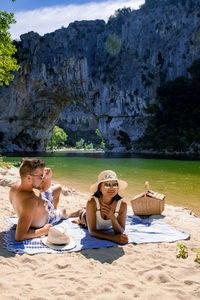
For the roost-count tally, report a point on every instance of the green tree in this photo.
(174, 118)
(98, 133)
(102, 145)
(120, 13)
(58, 138)
(8, 63)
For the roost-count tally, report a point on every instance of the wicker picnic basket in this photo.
(148, 203)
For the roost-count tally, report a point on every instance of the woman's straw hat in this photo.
(58, 239)
(108, 175)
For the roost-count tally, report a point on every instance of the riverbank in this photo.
(189, 155)
(145, 271)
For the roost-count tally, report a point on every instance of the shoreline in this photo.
(110, 154)
(146, 271)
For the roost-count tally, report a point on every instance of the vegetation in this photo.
(174, 118)
(8, 63)
(8, 165)
(89, 146)
(182, 251)
(99, 143)
(80, 144)
(103, 144)
(197, 258)
(4, 164)
(120, 13)
(58, 138)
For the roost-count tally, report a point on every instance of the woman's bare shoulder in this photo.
(91, 202)
(123, 204)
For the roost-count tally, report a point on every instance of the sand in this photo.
(145, 271)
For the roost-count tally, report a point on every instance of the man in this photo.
(34, 203)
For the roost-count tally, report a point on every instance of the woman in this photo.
(106, 209)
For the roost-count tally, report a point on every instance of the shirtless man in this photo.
(35, 205)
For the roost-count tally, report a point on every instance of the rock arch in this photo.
(76, 63)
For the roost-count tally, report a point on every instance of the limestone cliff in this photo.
(113, 69)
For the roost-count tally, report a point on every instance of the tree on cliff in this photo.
(57, 139)
(8, 63)
(174, 118)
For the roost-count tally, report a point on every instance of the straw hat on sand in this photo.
(58, 239)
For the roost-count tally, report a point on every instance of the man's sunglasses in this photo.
(108, 185)
(40, 176)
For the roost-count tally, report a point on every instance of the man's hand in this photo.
(46, 228)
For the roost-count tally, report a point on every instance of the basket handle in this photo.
(146, 187)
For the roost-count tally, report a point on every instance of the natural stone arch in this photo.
(79, 63)
(40, 91)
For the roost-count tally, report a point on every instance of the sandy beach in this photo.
(146, 271)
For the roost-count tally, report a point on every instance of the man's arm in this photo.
(23, 231)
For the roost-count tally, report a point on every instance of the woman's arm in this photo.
(118, 223)
(91, 223)
(47, 180)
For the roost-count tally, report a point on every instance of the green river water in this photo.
(179, 180)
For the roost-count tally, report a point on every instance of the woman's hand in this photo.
(47, 179)
(120, 238)
(107, 211)
(48, 173)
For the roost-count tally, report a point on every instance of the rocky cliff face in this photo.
(113, 69)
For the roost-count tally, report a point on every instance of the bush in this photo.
(89, 146)
(103, 145)
(80, 144)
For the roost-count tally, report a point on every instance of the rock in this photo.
(113, 69)
(8, 176)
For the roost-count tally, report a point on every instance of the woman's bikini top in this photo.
(100, 222)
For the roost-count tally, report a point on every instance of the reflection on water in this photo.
(177, 179)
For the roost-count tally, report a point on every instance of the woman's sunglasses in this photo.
(108, 185)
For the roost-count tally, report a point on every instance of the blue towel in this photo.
(139, 231)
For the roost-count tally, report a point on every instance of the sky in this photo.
(44, 16)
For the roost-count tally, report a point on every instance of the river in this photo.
(179, 180)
